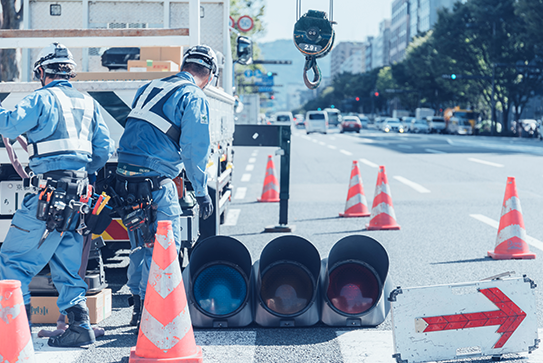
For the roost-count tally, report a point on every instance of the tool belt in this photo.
(132, 198)
(63, 197)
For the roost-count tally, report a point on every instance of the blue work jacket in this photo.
(143, 144)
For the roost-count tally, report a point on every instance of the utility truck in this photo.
(88, 28)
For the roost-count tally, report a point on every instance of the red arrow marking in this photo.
(508, 317)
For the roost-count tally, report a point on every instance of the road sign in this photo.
(245, 23)
(258, 73)
(265, 89)
(248, 73)
(487, 318)
(231, 22)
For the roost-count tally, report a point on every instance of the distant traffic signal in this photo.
(217, 282)
(354, 283)
(357, 99)
(272, 97)
(287, 283)
(453, 76)
(376, 94)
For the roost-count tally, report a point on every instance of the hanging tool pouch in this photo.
(62, 198)
(132, 199)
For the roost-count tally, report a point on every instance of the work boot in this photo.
(28, 309)
(79, 332)
(136, 312)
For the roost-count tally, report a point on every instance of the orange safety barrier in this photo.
(15, 338)
(165, 333)
(356, 205)
(382, 212)
(511, 240)
(270, 190)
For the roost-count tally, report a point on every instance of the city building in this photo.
(356, 63)
(369, 49)
(340, 53)
(381, 46)
(399, 30)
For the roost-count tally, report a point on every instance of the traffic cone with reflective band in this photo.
(382, 211)
(15, 339)
(511, 240)
(270, 191)
(166, 333)
(356, 205)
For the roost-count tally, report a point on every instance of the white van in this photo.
(316, 121)
(284, 117)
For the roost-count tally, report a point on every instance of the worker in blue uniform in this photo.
(67, 141)
(166, 131)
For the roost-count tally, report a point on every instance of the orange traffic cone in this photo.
(270, 191)
(15, 339)
(356, 205)
(166, 333)
(382, 212)
(511, 240)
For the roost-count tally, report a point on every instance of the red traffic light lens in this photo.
(353, 288)
(287, 288)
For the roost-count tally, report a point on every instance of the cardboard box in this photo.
(120, 76)
(45, 309)
(174, 54)
(152, 66)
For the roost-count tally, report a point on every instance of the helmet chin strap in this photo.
(42, 76)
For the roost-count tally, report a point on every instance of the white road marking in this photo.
(419, 188)
(232, 217)
(227, 346)
(240, 193)
(322, 143)
(250, 167)
(369, 141)
(255, 153)
(435, 151)
(332, 147)
(252, 160)
(245, 177)
(345, 152)
(369, 163)
(485, 162)
(492, 223)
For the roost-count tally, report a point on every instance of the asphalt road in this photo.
(447, 193)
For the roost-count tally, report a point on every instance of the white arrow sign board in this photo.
(443, 322)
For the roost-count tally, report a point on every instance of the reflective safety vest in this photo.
(76, 110)
(149, 105)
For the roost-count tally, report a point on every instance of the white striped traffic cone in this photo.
(511, 240)
(356, 205)
(166, 333)
(382, 212)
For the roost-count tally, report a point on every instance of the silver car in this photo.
(419, 126)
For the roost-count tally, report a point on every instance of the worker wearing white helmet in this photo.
(167, 131)
(67, 140)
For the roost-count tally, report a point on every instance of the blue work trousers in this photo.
(166, 201)
(20, 259)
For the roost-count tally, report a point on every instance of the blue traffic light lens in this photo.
(287, 288)
(220, 289)
(353, 288)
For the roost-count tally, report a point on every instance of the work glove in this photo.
(206, 207)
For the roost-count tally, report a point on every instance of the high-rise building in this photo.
(369, 50)
(356, 63)
(381, 46)
(399, 30)
(340, 53)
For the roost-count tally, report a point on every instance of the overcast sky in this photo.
(356, 19)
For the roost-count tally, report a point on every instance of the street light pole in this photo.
(493, 115)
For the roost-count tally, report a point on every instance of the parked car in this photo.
(316, 121)
(350, 123)
(392, 124)
(419, 126)
(436, 124)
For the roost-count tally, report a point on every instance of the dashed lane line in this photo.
(369, 163)
(332, 147)
(240, 193)
(419, 188)
(246, 177)
(346, 152)
(252, 160)
(250, 167)
(484, 162)
(232, 217)
(492, 223)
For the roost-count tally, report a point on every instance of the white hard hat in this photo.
(204, 56)
(54, 53)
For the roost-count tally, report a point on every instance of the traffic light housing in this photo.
(376, 94)
(355, 284)
(287, 283)
(218, 283)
